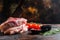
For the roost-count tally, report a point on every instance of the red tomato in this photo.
(33, 26)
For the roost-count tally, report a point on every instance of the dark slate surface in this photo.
(31, 37)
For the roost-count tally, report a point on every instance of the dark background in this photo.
(48, 16)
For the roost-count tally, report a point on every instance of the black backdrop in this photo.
(55, 12)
